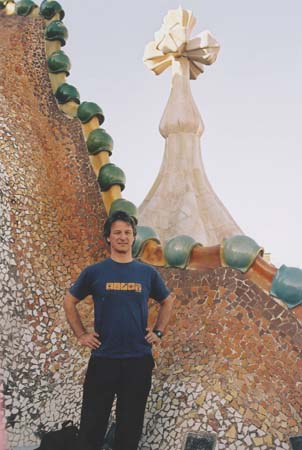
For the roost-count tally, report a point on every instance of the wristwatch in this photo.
(158, 333)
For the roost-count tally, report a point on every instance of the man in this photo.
(121, 362)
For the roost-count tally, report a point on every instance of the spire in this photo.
(181, 200)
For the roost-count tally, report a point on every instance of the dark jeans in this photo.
(128, 379)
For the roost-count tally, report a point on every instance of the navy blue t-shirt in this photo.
(120, 293)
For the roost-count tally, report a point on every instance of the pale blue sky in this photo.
(250, 101)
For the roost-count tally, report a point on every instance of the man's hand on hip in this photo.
(151, 337)
(90, 340)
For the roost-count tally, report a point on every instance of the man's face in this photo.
(121, 237)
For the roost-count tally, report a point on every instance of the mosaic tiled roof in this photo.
(231, 361)
(98, 142)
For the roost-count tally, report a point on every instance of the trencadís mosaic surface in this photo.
(229, 369)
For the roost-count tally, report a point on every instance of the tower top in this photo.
(173, 41)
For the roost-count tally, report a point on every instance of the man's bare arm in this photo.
(73, 318)
(164, 314)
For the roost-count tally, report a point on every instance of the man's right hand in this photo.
(90, 340)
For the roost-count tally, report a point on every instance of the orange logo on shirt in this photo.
(112, 286)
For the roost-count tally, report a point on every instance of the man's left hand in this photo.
(151, 337)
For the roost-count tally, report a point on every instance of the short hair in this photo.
(114, 217)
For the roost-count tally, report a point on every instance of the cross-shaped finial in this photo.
(173, 41)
